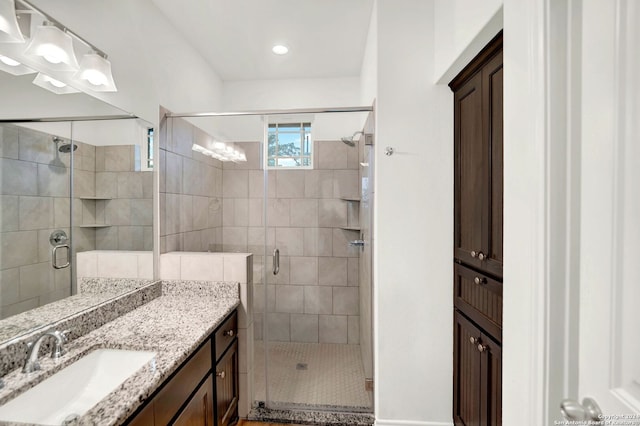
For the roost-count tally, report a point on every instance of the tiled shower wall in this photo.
(35, 201)
(314, 298)
(190, 191)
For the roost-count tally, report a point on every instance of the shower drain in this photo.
(302, 366)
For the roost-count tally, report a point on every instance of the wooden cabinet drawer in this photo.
(479, 297)
(177, 390)
(225, 334)
(199, 410)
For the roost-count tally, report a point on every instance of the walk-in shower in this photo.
(296, 204)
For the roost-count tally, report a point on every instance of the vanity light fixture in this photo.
(95, 69)
(222, 152)
(280, 49)
(54, 46)
(51, 84)
(9, 29)
(14, 67)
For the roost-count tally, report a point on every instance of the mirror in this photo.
(73, 191)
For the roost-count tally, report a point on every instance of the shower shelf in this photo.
(95, 225)
(96, 198)
(350, 228)
(354, 200)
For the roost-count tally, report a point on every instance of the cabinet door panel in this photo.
(471, 156)
(479, 297)
(492, 94)
(227, 386)
(491, 384)
(466, 373)
(199, 410)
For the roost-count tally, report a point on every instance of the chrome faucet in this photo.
(31, 363)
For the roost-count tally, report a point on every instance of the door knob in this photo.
(483, 348)
(474, 253)
(221, 374)
(479, 280)
(482, 256)
(473, 340)
(588, 410)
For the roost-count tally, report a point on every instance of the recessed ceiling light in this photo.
(280, 49)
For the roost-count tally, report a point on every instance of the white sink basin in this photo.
(75, 389)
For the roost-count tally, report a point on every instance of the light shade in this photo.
(14, 67)
(55, 47)
(280, 49)
(96, 71)
(9, 29)
(53, 85)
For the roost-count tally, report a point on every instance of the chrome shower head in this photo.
(351, 140)
(65, 147)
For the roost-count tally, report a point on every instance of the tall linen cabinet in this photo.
(477, 257)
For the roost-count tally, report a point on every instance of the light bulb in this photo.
(219, 146)
(280, 49)
(52, 53)
(9, 61)
(96, 78)
(53, 81)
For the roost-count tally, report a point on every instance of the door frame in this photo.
(542, 197)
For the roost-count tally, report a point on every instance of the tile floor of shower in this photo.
(315, 376)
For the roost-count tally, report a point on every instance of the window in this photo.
(289, 146)
(150, 148)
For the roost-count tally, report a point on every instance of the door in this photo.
(608, 355)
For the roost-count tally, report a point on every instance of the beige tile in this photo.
(117, 265)
(9, 145)
(346, 184)
(36, 280)
(304, 213)
(341, 247)
(9, 286)
(304, 328)
(18, 177)
(318, 300)
(333, 329)
(9, 212)
(332, 155)
(261, 292)
(290, 241)
(142, 212)
(35, 213)
(256, 214)
(130, 185)
(192, 241)
(235, 267)
(255, 239)
(169, 267)
(201, 267)
(118, 212)
(173, 175)
(332, 213)
(130, 238)
(87, 264)
(345, 301)
(235, 183)
(62, 280)
(278, 327)
(52, 181)
(235, 239)
(36, 146)
(182, 137)
(256, 184)
(61, 212)
(283, 276)
(318, 183)
(200, 212)
(147, 184)
(89, 211)
(303, 270)
(107, 184)
(290, 184)
(118, 158)
(191, 177)
(353, 330)
(278, 212)
(332, 271)
(107, 238)
(353, 271)
(318, 241)
(84, 239)
(84, 184)
(245, 310)
(145, 265)
(186, 213)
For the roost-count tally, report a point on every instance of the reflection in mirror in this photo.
(71, 194)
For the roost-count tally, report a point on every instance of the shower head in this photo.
(351, 140)
(65, 147)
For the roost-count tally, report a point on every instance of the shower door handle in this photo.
(54, 260)
(276, 261)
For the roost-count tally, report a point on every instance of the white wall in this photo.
(413, 223)
(461, 29)
(152, 64)
(369, 69)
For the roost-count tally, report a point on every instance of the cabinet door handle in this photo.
(479, 280)
(474, 340)
(474, 253)
(482, 256)
(228, 333)
(483, 348)
(221, 374)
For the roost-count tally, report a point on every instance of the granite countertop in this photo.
(172, 325)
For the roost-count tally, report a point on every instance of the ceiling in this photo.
(326, 38)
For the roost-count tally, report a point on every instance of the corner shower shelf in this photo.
(350, 228)
(96, 198)
(95, 225)
(354, 200)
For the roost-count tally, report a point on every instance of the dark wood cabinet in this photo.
(478, 251)
(199, 409)
(477, 373)
(478, 180)
(204, 390)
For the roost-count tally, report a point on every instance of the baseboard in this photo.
(384, 422)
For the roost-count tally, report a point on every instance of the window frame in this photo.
(301, 125)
